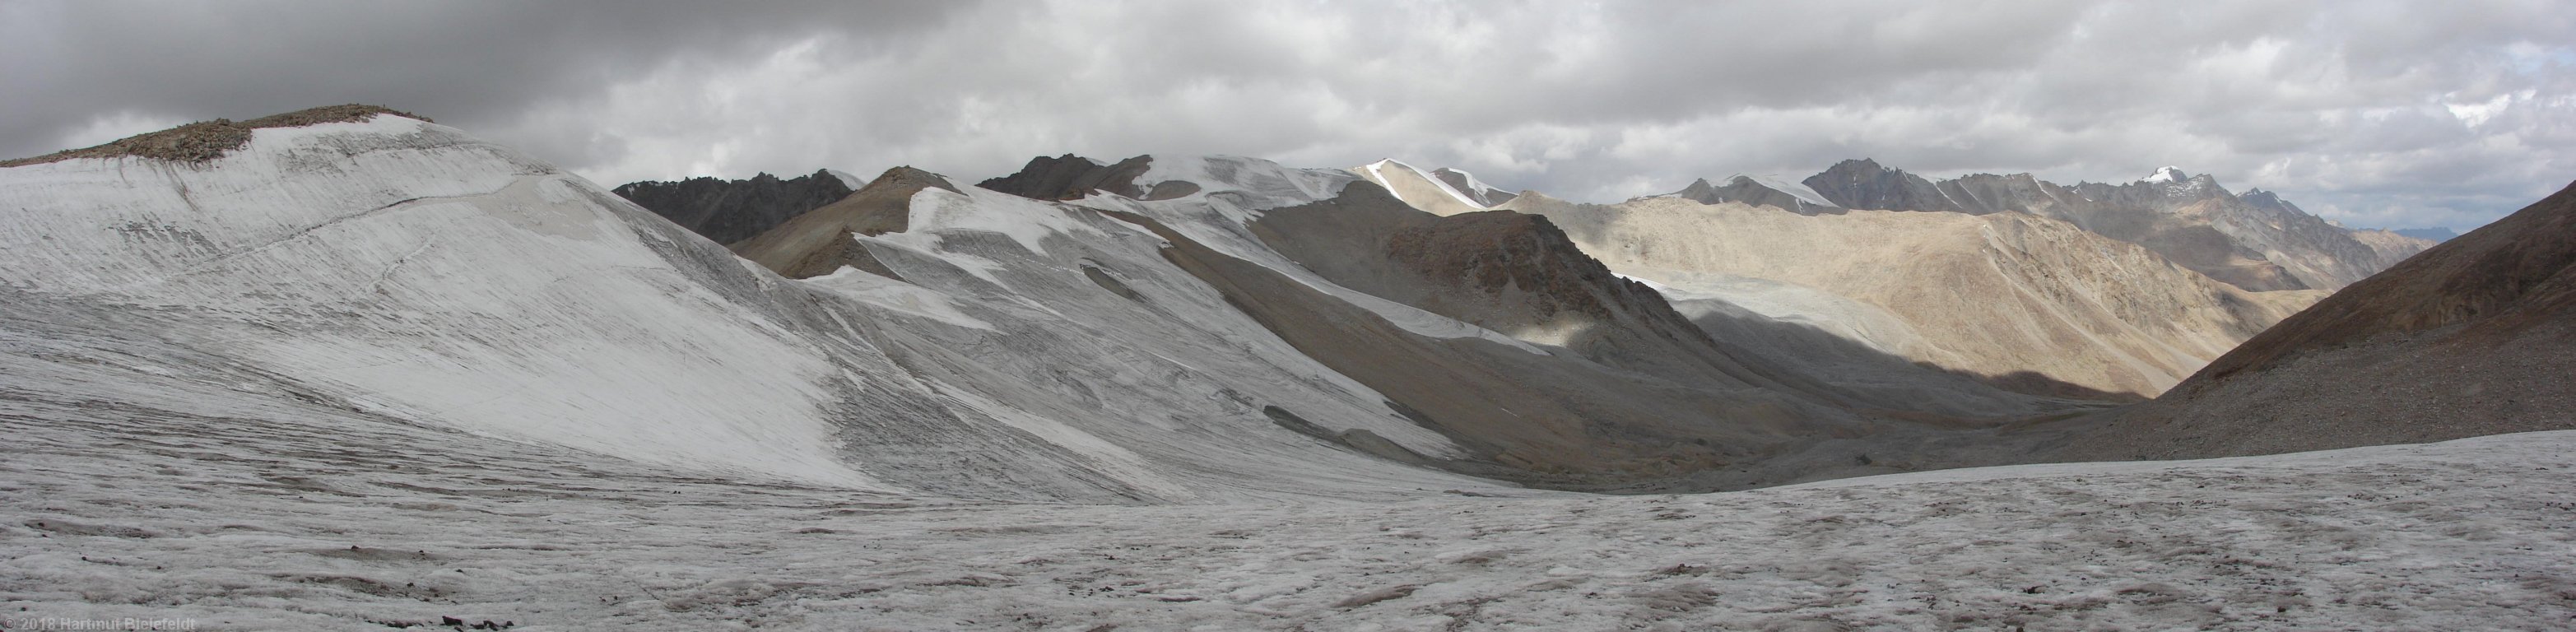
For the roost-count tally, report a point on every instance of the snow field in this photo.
(254, 525)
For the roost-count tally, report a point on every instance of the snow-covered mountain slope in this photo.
(1213, 200)
(2255, 241)
(403, 270)
(1496, 329)
(1534, 408)
(2030, 303)
(2474, 336)
(136, 495)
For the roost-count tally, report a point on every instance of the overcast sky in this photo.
(2374, 113)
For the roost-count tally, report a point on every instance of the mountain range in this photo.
(253, 336)
(2255, 241)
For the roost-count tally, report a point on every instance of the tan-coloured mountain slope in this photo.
(1418, 188)
(818, 242)
(2255, 241)
(2474, 336)
(1564, 420)
(2033, 304)
(1520, 275)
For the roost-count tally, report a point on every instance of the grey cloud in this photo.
(2353, 108)
(474, 62)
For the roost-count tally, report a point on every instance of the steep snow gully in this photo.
(378, 373)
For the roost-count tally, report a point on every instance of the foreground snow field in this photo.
(243, 513)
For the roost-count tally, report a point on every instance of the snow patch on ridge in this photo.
(1376, 172)
(1478, 187)
(1026, 221)
(1794, 188)
(848, 180)
(455, 287)
(1253, 183)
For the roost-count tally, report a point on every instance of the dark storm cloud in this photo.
(469, 63)
(2378, 113)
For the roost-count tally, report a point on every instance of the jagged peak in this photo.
(1861, 165)
(846, 180)
(907, 175)
(1696, 184)
(2168, 173)
(1071, 177)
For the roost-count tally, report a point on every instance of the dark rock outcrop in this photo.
(729, 211)
(1070, 177)
(1864, 184)
(1745, 190)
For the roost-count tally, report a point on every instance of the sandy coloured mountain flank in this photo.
(2028, 303)
(2256, 240)
(818, 242)
(1671, 338)
(1619, 382)
(2475, 336)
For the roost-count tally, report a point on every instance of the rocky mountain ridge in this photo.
(729, 211)
(915, 335)
(2256, 241)
(2471, 337)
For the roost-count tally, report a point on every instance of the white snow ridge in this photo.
(1796, 189)
(382, 375)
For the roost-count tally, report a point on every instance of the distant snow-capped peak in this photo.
(2168, 174)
